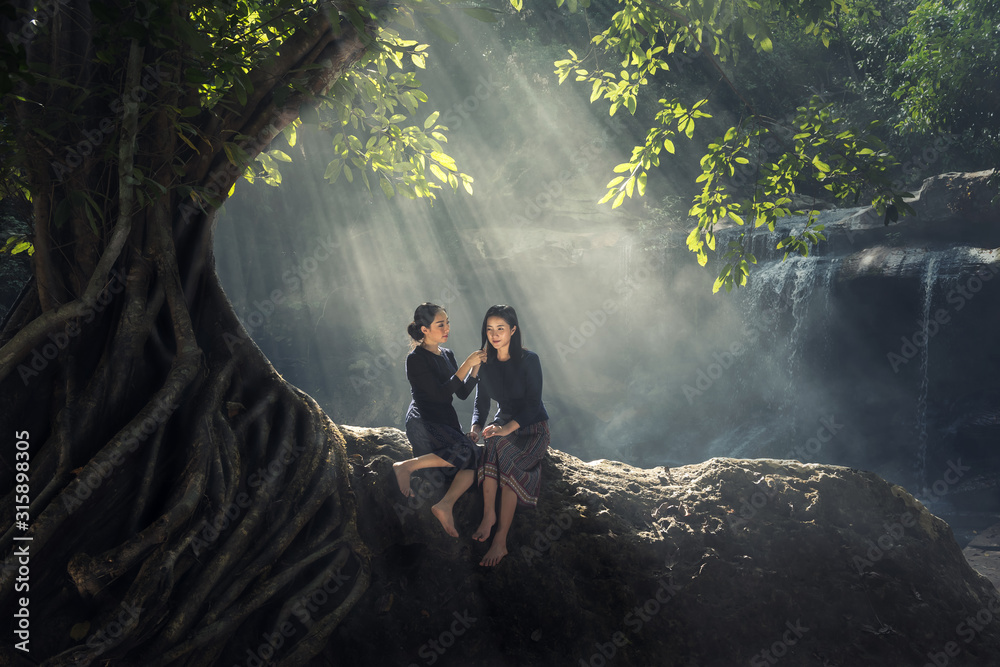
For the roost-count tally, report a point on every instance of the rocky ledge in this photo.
(722, 563)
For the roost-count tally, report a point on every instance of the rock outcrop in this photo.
(720, 563)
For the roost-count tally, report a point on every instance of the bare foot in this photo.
(483, 532)
(446, 518)
(402, 478)
(495, 554)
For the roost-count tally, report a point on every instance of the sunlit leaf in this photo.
(439, 173)
(444, 160)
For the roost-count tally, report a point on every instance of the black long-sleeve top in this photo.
(432, 384)
(516, 387)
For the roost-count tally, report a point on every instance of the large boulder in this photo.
(722, 563)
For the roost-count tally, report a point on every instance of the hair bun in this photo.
(414, 330)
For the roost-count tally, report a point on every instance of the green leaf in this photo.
(291, 134)
(439, 173)
(444, 160)
(387, 187)
(431, 120)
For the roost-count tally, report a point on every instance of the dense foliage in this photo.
(844, 149)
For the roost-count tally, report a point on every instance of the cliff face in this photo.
(722, 563)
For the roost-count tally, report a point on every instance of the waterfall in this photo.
(805, 275)
(929, 278)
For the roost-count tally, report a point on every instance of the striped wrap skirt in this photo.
(515, 460)
(427, 437)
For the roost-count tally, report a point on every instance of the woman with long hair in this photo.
(518, 435)
(431, 422)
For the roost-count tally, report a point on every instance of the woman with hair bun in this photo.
(517, 437)
(431, 422)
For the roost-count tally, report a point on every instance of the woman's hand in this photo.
(494, 431)
(472, 363)
(476, 431)
(477, 357)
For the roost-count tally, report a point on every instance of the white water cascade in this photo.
(929, 278)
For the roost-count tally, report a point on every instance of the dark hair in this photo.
(509, 316)
(423, 316)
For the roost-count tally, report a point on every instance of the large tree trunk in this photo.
(183, 496)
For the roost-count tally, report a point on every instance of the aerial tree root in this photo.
(224, 500)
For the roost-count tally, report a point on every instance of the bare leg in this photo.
(443, 509)
(508, 503)
(489, 509)
(404, 469)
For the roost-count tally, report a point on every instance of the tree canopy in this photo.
(946, 55)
